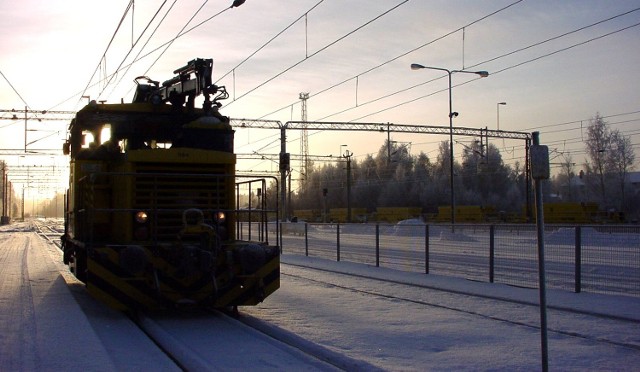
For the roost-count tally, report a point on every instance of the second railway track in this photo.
(484, 305)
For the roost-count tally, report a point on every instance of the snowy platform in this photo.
(48, 323)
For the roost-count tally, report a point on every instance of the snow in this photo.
(42, 326)
(439, 323)
(447, 330)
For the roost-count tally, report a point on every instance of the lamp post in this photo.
(498, 118)
(498, 112)
(452, 114)
(4, 220)
(347, 155)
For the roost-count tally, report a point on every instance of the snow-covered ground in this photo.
(425, 328)
(42, 327)
(438, 323)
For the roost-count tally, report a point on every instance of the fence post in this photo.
(279, 232)
(578, 255)
(337, 242)
(306, 240)
(377, 245)
(492, 252)
(426, 249)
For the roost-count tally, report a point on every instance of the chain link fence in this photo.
(598, 259)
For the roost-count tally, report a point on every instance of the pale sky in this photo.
(51, 51)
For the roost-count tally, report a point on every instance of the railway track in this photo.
(216, 341)
(210, 341)
(49, 229)
(483, 305)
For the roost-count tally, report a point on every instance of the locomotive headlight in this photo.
(141, 217)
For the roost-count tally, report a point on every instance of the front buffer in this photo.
(194, 271)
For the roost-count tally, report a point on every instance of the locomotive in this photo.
(151, 214)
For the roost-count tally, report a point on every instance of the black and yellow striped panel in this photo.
(252, 289)
(161, 288)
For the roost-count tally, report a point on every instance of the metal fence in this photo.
(599, 259)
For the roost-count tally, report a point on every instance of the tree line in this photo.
(395, 178)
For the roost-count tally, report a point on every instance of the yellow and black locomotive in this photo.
(151, 219)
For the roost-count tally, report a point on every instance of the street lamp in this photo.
(498, 112)
(498, 118)
(347, 155)
(452, 114)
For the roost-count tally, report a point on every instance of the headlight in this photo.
(141, 217)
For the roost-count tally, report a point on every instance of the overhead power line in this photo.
(486, 61)
(144, 46)
(397, 57)
(270, 40)
(14, 89)
(320, 50)
(235, 4)
(168, 45)
(133, 45)
(104, 55)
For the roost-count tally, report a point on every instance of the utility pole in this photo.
(540, 171)
(5, 219)
(347, 155)
(284, 170)
(304, 141)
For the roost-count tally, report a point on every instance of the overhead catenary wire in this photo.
(14, 90)
(149, 53)
(362, 104)
(270, 41)
(481, 63)
(133, 45)
(398, 57)
(104, 55)
(168, 45)
(144, 46)
(320, 50)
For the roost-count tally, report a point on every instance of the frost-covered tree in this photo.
(598, 144)
(484, 174)
(366, 184)
(395, 178)
(610, 157)
(567, 173)
(621, 159)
